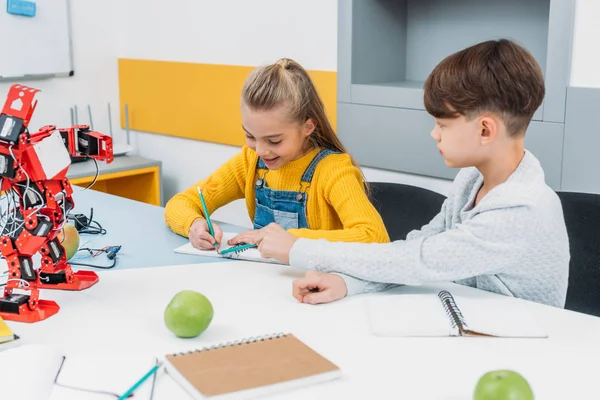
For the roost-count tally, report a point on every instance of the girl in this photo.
(293, 170)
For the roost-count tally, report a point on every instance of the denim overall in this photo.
(284, 207)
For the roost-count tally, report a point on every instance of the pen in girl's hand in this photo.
(210, 227)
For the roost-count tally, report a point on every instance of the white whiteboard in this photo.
(39, 45)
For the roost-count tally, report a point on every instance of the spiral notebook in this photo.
(251, 368)
(248, 254)
(442, 314)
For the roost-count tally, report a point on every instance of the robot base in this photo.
(15, 307)
(81, 280)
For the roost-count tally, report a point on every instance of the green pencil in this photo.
(210, 227)
(139, 383)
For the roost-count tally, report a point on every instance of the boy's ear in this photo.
(309, 127)
(488, 126)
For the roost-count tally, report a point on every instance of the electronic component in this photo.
(111, 254)
(10, 128)
(84, 143)
(12, 303)
(26, 267)
(55, 249)
(43, 226)
(31, 194)
(53, 279)
(86, 225)
(7, 166)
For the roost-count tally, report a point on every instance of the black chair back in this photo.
(582, 217)
(404, 207)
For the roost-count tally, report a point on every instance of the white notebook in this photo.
(248, 254)
(442, 313)
(74, 376)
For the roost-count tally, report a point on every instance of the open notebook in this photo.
(441, 313)
(251, 254)
(249, 368)
(29, 372)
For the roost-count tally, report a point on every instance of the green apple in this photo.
(188, 314)
(69, 238)
(502, 385)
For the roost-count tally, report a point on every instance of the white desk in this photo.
(124, 312)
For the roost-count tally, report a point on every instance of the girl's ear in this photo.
(309, 127)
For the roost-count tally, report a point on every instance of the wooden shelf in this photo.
(131, 177)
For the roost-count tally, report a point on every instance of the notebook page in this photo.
(27, 372)
(106, 372)
(499, 316)
(249, 254)
(408, 315)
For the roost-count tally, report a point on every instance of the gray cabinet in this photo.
(387, 48)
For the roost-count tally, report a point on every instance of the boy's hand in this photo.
(319, 287)
(200, 236)
(275, 242)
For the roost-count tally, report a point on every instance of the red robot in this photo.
(36, 199)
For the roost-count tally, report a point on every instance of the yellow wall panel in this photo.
(195, 101)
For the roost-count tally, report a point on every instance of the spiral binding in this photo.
(237, 251)
(456, 318)
(240, 342)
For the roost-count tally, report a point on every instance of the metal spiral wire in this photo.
(234, 343)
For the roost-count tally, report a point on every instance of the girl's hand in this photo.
(200, 236)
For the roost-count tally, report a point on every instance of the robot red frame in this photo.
(33, 169)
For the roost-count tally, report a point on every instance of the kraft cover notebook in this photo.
(441, 313)
(248, 254)
(249, 368)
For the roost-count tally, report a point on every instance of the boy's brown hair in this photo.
(497, 76)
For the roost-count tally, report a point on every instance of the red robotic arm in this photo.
(36, 199)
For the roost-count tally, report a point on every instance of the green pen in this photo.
(210, 227)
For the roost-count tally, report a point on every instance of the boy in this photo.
(500, 229)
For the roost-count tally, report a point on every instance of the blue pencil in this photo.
(210, 227)
(139, 383)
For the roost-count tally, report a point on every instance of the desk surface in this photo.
(252, 299)
(138, 227)
(123, 315)
(121, 163)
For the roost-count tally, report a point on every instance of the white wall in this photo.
(237, 32)
(278, 29)
(585, 66)
(277, 32)
(232, 32)
(95, 81)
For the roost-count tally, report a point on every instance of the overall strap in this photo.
(260, 164)
(310, 170)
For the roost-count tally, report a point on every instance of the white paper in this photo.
(424, 315)
(248, 254)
